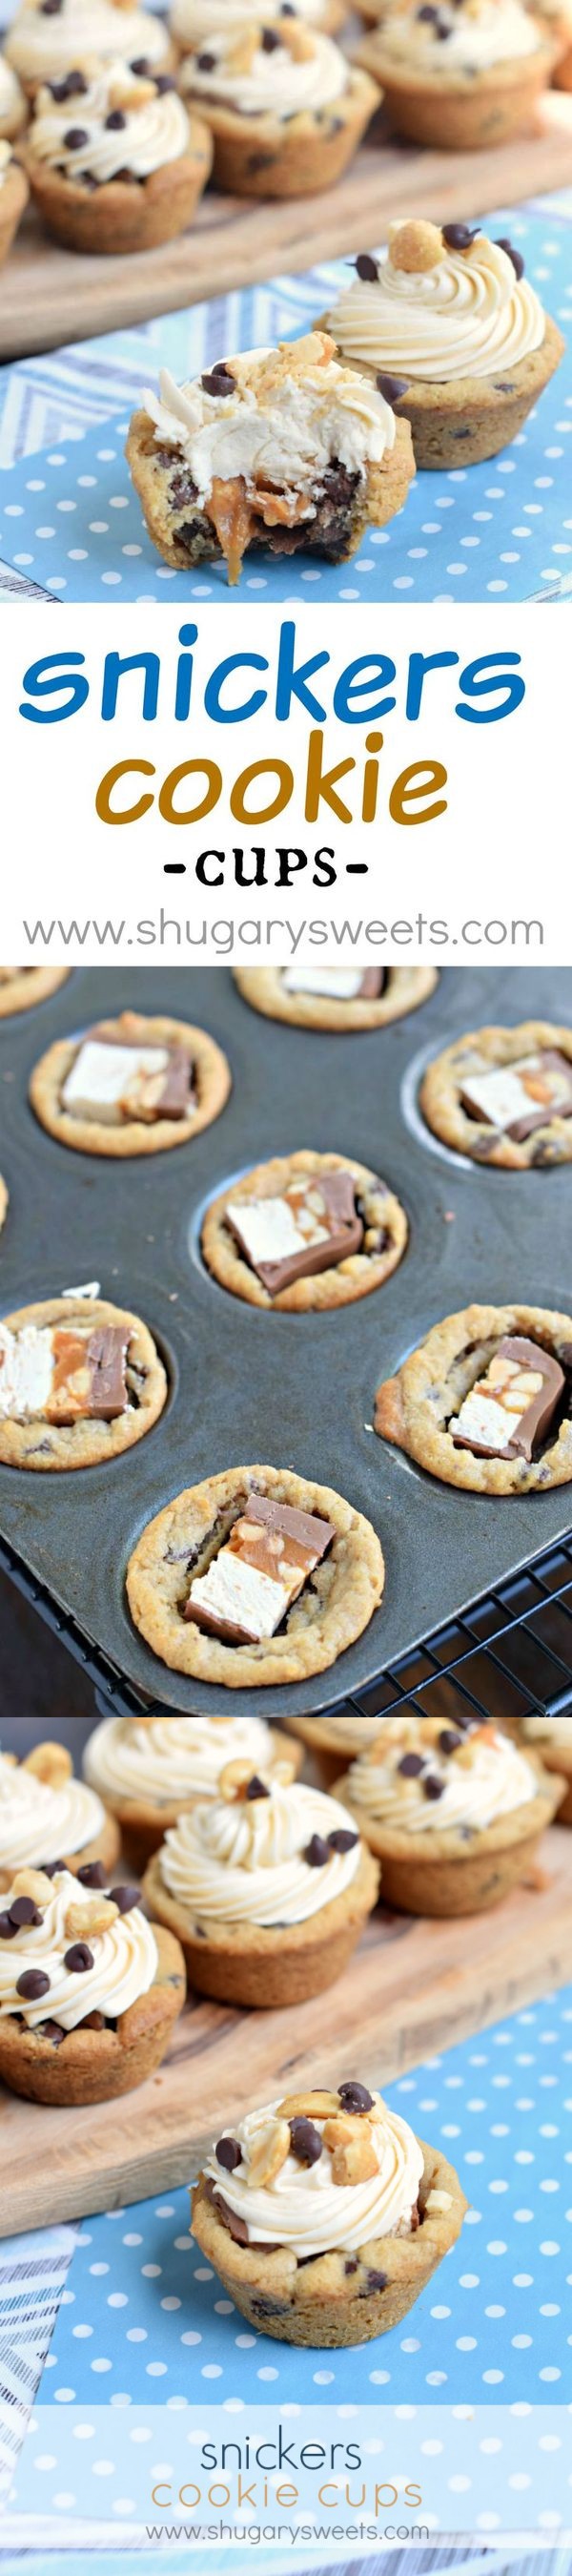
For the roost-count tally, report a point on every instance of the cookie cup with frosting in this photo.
(119, 166)
(89, 1991)
(14, 194)
(454, 1813)
(449, 327)
(285, 108)
(330, 1740)
(45, 1813)
(44, 45)
(267, 1889)
(325, 2222)
(193, 22)
(149, 1771)
(465, 78)
(551, 1739)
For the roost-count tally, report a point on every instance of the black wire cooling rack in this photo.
(508, 1655)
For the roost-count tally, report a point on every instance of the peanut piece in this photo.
(84, 1920)
(49, 1762)
(308, 2106)
(269, 2154)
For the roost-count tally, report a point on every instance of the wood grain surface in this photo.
(413, 1989)
(48, 296)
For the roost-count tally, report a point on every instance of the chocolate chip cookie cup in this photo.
(116, 165)
(448, 325)
(280, 449)
(44, 1812)
(13, 198)
(304, 1232)
(462, 78)
(89, 1990)
(310, 104)
(454, 1813)
(484, 1402)
(22, 986)
(551, 1739)
(80, 1381)
(334, 997)
(132, 1085)
(256, 1576)
(504, 1096)
(324, 2216)
(334, 1739)
(45, 43)
(267, 1889)
(150, 1771)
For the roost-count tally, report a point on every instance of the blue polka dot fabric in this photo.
(70, 521)
(143, 2316)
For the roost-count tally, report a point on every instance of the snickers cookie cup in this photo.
(194, 22)
(22, 986)
(304, 1232)
(130, 1086)
(13, 105)
(149, 1771)
(551, 1739)
(13, 198)
(447, 324)
(325, 2216)
(116, 165)
(454, 1813)
(89, 1990)
(45, 1813)
(285, 108)
(48, 38)
(504, 1096)
(280, 449)
(267, 1889)
(80, 1381)
(255, 1576)
(334, 1739)
(460, 74)
(485, 1401)
(335, 997)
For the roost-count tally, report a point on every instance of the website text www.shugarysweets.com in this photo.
(277, 935)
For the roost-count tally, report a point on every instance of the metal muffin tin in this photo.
(287, 1390)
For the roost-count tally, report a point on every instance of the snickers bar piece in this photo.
(63, 1374)
(336, 983)
(517, 1098)
(508, 1413)
(310, 1227)
(111, 1082)
(264, 1564)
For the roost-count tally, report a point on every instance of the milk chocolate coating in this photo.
(373, 983)
(312, 1536)
(346, 1235)
(177, 1093)
(106, 1353)
(520, 1128)
(535, 1423)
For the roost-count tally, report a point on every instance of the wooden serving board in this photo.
(48, 296)
(414, 1989)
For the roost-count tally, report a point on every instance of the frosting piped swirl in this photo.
(465, 316)
(41, 47)
(124, 1959)
(280, 71)
(303, 2207)
(194, 21)
(164, 1759)
(153, 127)
(38, 1821)
(244, 1861)
(421, 1777)
(459, 36)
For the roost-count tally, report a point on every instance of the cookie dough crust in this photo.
(318, 2302)
(453, 113)
(347, 1280)
(261, 1968)
(212, 1082)
(406, 988)
(441, 1874)
(412, 1409)
(45, 1445)
(96, 2065)
(28, 985)
(120, 217)
(329, 1614)
(440, 1097)
(479, 413)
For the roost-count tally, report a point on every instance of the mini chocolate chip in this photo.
(355, 2097)
(206, 62)
(503, 389)
(351, 2266)
(116, 120)
(164, 81)
(269, 40)
(269, 2307)
(459, 236)
(52, 2030)
(342, 1841)
(228, 2153)
(74, 86)
(255, 1788)
(410, 1766)
(24, 1910)
(391, 387)
(78, 1958)
(75, 138)
(93, 1874)
(141, 67)
(366, 267)
(32, 1984)
(92, 2021)
(428, 13)
(514, 255)
(219, 383)
(305, 2142)
(125, 1898)
(50, 8)
(377, 2281)
(462, 433)
(317, 1852)
(50, 1868)
(287, 10)
(449, 1741)
(7, 1929)
(432, 1787)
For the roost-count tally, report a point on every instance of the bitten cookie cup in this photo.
(295, 149)
(449, 327)
(149, 1133)
(411, 2209)
(22, 986)
(355, 1272)
(460, 1868)
(418, 1407)
(460, 114)
(184, 1541)
(149, 1771)
(38, 1439)
(267, 990)
(466, 1073)
(42, 1809)
(13, 198)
